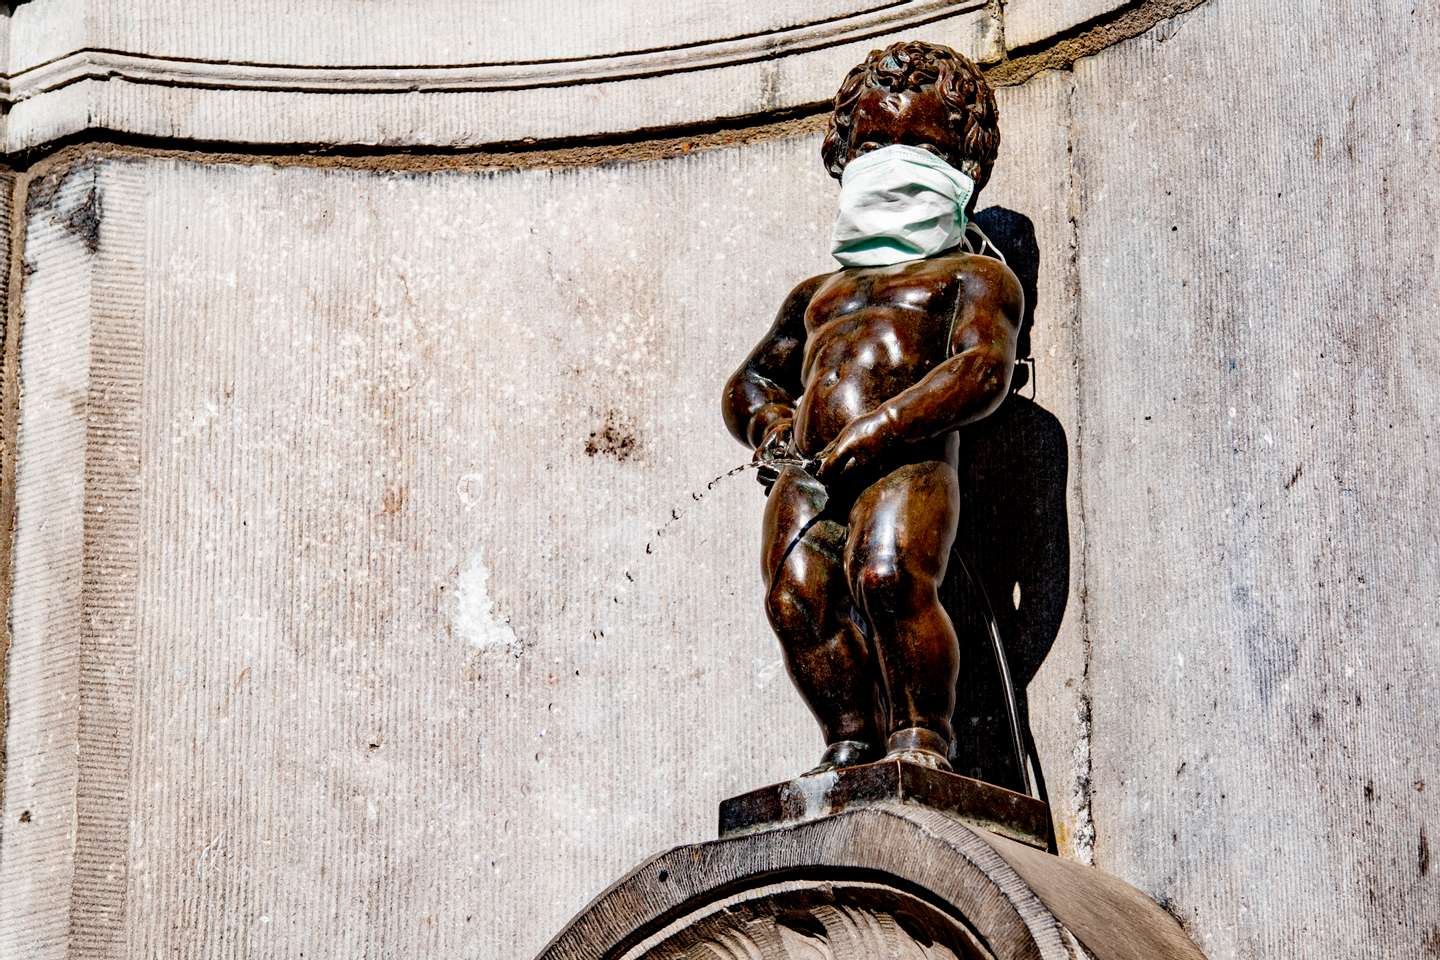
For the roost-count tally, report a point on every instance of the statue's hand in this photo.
(856, 449)
(776, 443)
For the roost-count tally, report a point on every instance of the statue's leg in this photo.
(809, 606)
(901, 531)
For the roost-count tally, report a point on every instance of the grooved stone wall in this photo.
(370, 597)
(419, 658)
(1260, 383)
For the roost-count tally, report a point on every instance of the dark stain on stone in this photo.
(78, 217)
(24, 816)
(614, 438)
(393, 500)
(83, 220)
(42, 193)
(1270, 662)
(769, 97)
(1369, 791)
(1423, 854)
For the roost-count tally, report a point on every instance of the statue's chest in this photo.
(905, 316)
(911, 301)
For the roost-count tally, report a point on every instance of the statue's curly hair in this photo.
(910, 66)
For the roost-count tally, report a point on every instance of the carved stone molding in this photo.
(816, 920)
(449, 74)
(313, 72)
(90, 64)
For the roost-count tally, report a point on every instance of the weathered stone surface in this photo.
(390, 610)
(1028, 22)
(64, 844)
(1260, 384)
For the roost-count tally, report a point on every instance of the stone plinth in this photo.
(885, 876)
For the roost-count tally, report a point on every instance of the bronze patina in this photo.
(852, 402)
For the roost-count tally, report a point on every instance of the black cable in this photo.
(1002, 663)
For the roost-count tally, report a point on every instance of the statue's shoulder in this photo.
(985, 268)
(803, 292)
(988, 278)
(797, 301)
(808, 287)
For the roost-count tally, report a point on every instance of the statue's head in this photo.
(918, 93)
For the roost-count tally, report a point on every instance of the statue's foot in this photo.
(923, 758)
(843, 753)
(920, 746)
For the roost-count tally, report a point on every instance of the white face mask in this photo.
(898, 203)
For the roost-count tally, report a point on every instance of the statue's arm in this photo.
(966, 387)
(974, 380)
(764, 391)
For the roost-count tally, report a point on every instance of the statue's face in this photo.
(915, 117)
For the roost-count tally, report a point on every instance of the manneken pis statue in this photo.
(853, 398)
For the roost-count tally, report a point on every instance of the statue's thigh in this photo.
(818, 557)
(905, 521)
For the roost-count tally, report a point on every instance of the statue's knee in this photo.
(889, 586)
(786, 608)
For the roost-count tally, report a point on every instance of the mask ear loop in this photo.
(985, 243)
(995, 254)
(968, 245)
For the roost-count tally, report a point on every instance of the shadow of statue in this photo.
(1014, 539)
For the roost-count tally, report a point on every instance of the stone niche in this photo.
(294, 668)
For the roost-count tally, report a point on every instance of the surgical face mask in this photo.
(898, 203)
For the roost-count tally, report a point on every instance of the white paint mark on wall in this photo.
(468, 489)
(474, 618)
(199, 422)
(767, 670)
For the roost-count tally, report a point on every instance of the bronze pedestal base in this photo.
(973, 802)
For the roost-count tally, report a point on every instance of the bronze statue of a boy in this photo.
(853, 399)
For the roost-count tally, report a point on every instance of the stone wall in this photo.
(369, 595)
